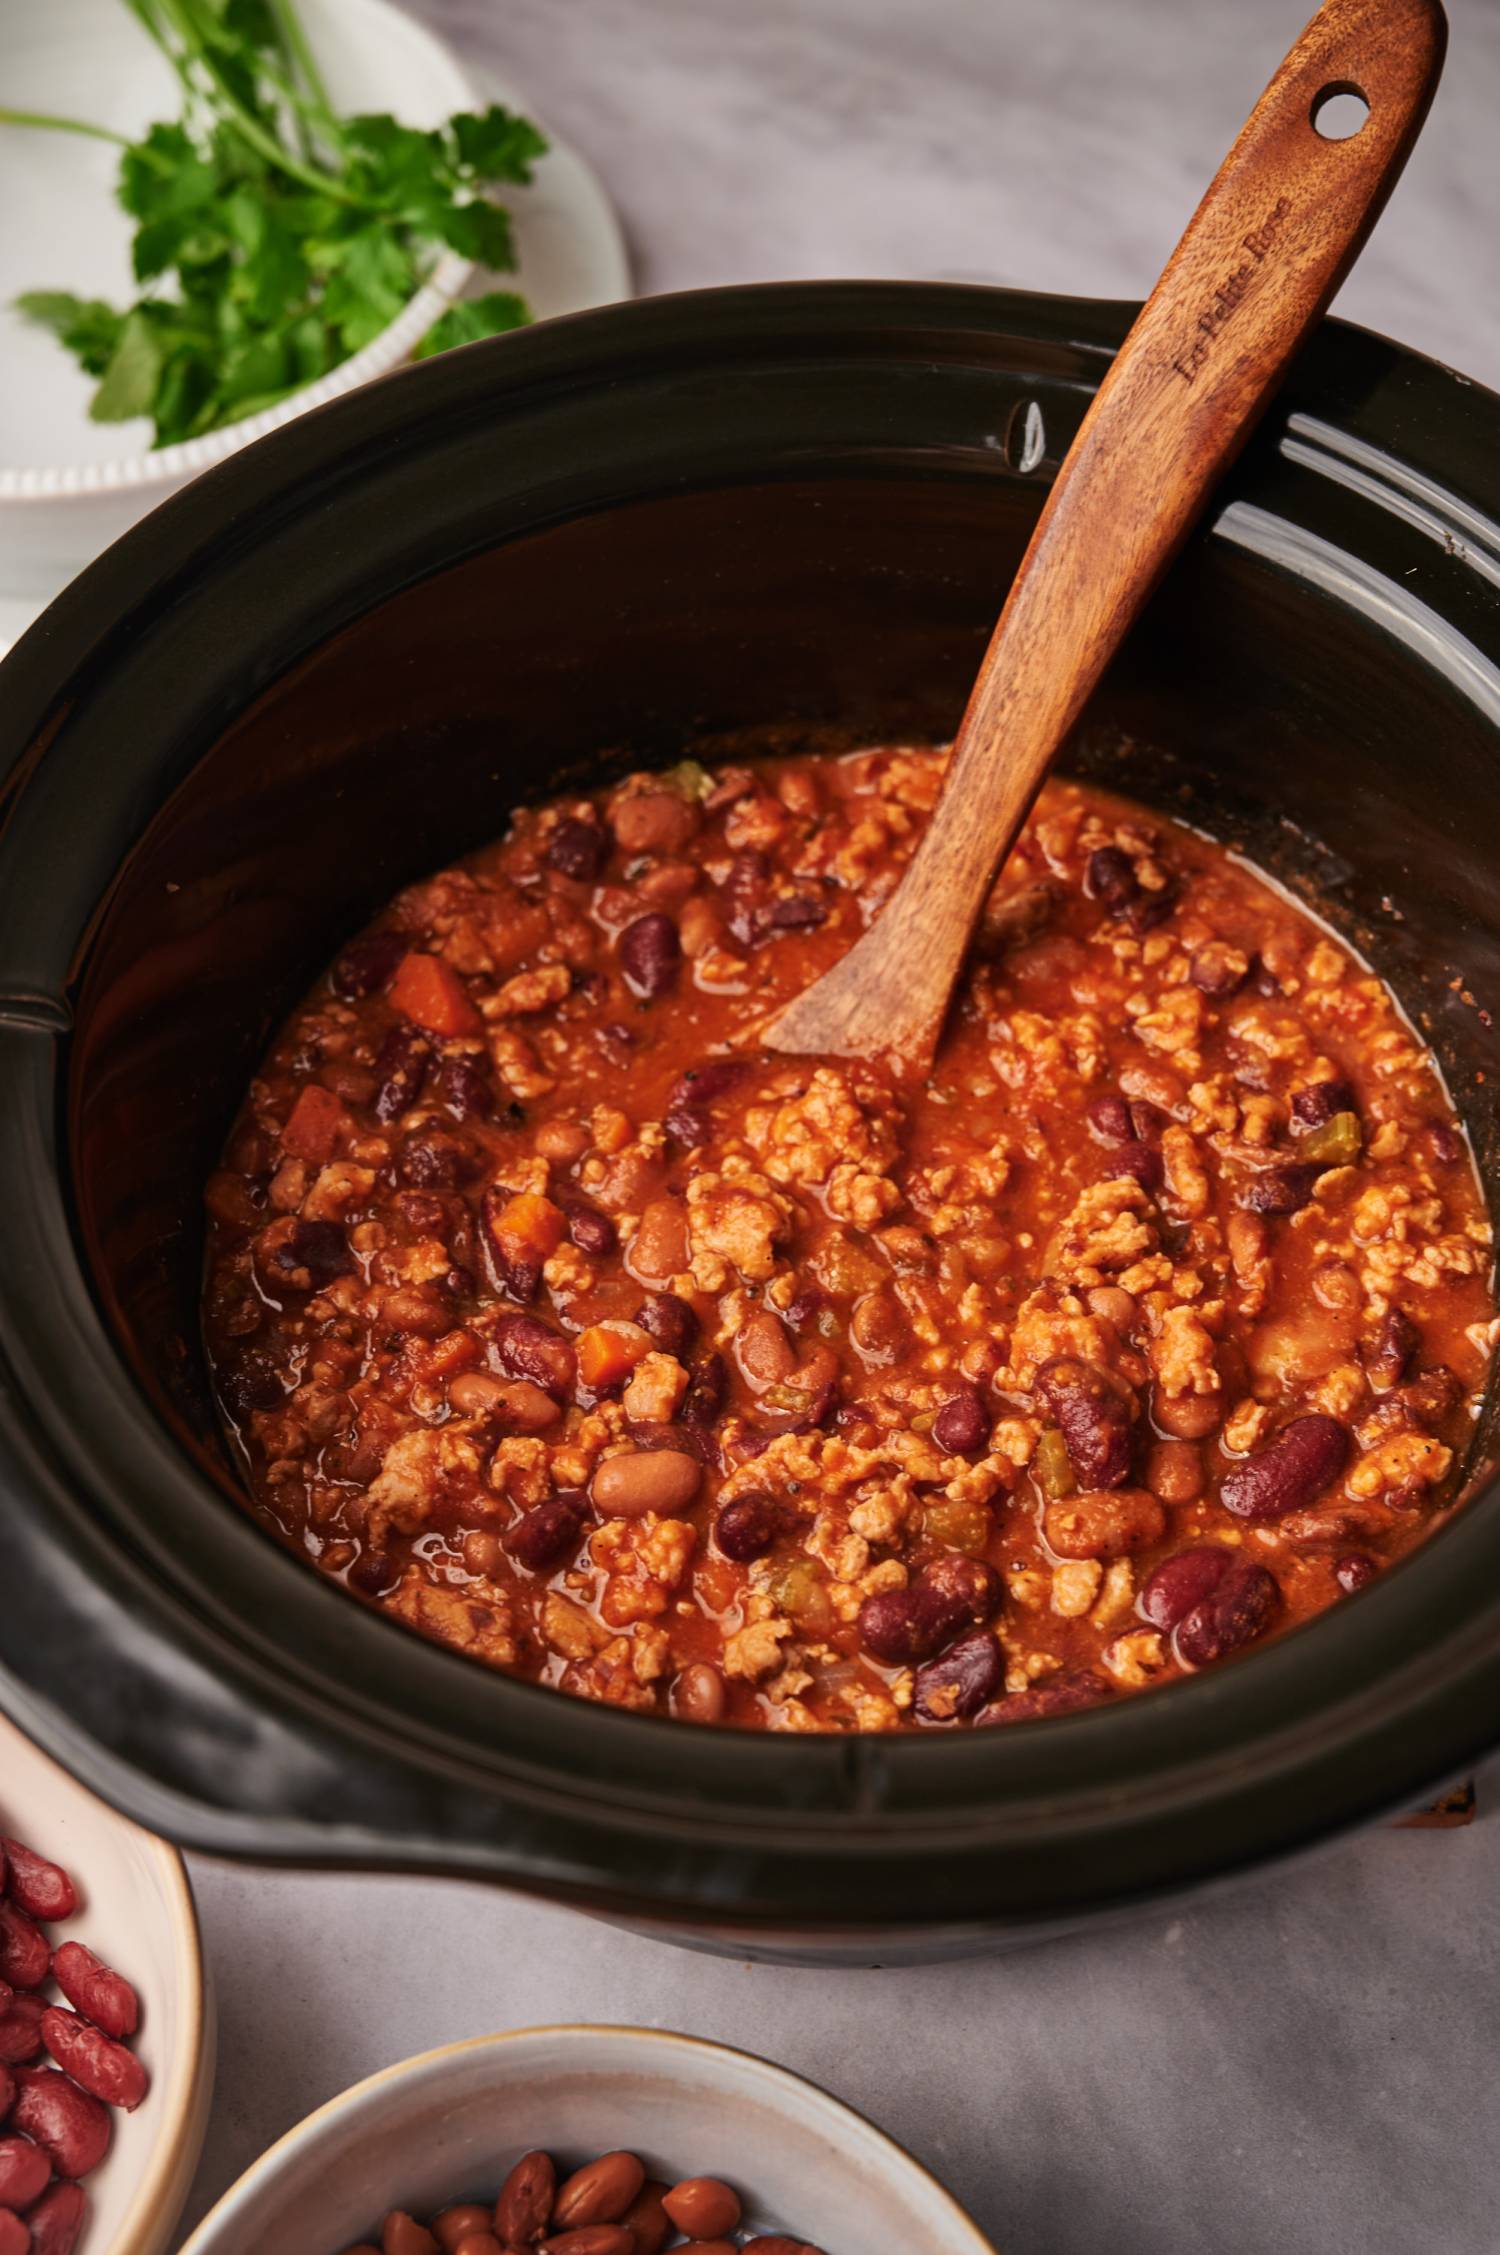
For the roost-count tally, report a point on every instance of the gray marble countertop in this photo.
(1304, 2063)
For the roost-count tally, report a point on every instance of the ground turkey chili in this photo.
(561, 1322)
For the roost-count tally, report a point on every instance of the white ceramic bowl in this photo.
(448, 2125)
(69, 486)
(136, 1911)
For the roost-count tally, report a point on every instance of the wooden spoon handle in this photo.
(1262, 256)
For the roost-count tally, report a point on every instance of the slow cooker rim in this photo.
(1087, 327)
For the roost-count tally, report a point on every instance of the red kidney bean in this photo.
(1240, 1609)
(1321, 1101)
(1280, 1190)
(529, 1348)
(402, 1068)
(744, 892)
(25, 1952)
(7, 1999)
(25, 2172)
(1064, 1694)
(301, 1256)
(794, 912)
(1139, 1161)
(747, 1527)
(1181, 1582)
(251, 1383)
(21, 2030)
(599, 2192)
(57, 2220)
(903, 1626)
(430, 1160)
(69, 2124)
(592, 2239)
(968, 1675)
(1388, 1357)
(1445, 1143)
(1146, 1120)
(962, 1426)
(651, 954)
(39, 1888)
(577, 848)
(1218, 971)
(95, 2061)
(670, 1321)
(1109, 1118)
(15, 2238)
(688, 1127)
(1095, 1421)
(1354, 1571)
(971, 1586)
(96, 1990)
(592, 1232)
(1109, 876)
(1285, 1476)
(463, 1087)
(706, 1083)
(367, 965)
(703, 1403)
(545, 1534)
(1432, 1395)
(524, 2207)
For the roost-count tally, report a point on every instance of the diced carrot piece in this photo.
(430, 992)
(608, 1352)
(314, 1124)
(530, 1224)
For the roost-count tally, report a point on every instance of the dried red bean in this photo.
(529, 1348)
(1094, 1420)
(592, 1232)
(368, 965)
(1110, 877)
(524, 2207)
(962, 1426)
(69, 2124)
(462, 1085)
(1240, 1609)
(1064, 1694)
(969, 1675)
(1354, 1571)
(402, 1069)
(1181, 1582)
(546, 1533)
(431, 1160)
(577, 848)
(7, 1998)
(37, 1887)
(25, 2172)
(670, 1321)
(1388, 1357)
(651, 954)
(57, 2220)
(703, 2208)
(454, 2225)
(21, 2030)
(25, 1952)
(703, 1403)
(95, 2061)
(96, 1990)
(1320, 1102)
(1280, 1190)
(15, 2239)
(1288, 1474)
(747, 1527)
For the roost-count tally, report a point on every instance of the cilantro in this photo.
(273, 238)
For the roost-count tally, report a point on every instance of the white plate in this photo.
(136, 1912)
(68, 486)
(447, 2126)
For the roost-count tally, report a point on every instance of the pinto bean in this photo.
(763, 1351)
(37, 1887)
(1305, 1457)
(1188, 1417)
(599, 2192)
(1106, 1524)
(1240, 1607)
(1181, 1582)
(545, 1534)
(968, 1675)
(659, 1249)
(524, 2207)
(1174, 1472)
(1094, 1420)
(661, 1480)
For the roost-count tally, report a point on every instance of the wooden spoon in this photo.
(1262, 256)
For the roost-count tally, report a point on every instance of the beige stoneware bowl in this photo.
(135, 1910)
(446, 2126)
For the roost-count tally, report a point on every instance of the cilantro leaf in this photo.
(134, 372)
(87, 327)
(496, 144)
(473, 318)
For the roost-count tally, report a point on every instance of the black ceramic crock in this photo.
(340, 659)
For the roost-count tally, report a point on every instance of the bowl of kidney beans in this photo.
(105, 2050)
(586, 2141)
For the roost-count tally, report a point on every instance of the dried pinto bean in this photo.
(1305, 1457)
(1240, 1608)
(1094, 1420)
(524, 2207)
(1108, 1523)
(600, 2192)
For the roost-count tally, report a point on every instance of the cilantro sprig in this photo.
(273, 238)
